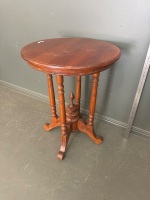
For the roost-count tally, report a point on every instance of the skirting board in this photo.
(45, 98)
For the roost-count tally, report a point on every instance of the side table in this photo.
(71, 57)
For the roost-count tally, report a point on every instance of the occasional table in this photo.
(71, 57)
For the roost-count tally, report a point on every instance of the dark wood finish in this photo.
(71, 56)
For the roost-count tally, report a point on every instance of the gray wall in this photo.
(122, 22)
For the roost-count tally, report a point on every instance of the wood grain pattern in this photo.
(70, 56)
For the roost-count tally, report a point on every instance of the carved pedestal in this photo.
(70, 118)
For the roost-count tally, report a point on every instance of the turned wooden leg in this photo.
(65, 132)
(93, 98)
(55, 121)
(78, 90)
(89, 127)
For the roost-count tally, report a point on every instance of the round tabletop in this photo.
(70, 56)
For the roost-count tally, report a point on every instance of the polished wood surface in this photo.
(71, 56)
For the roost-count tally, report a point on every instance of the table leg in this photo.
(55, 120)
(64, 129)
(93, 98)
(78, 90)
(89, 128)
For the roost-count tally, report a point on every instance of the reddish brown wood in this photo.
(51, 95)
(93, 98)
(89, 130)
(65, 134)
(72, 111)
(78, 90)
(71, 56)
(55, 121)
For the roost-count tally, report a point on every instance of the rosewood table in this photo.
(71, 57)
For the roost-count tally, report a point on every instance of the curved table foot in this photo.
(54, 123)
(89, 130)
(64, 143)
(60, 155)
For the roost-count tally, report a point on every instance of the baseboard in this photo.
(25, 91)
(45, 98)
